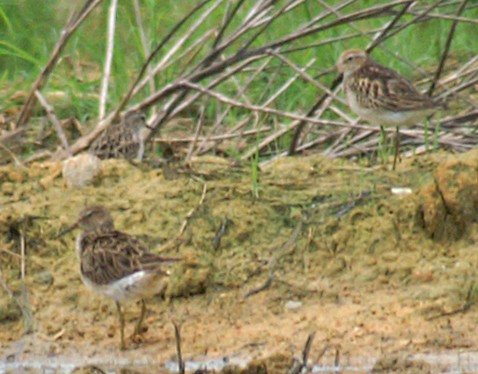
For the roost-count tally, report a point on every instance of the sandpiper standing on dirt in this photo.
(122, 139)
(381, 95)
(115, 264)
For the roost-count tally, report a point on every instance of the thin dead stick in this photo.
(83, 142)
(265, 142)
(9, 135)
(370, 146)
(27, 313)
(177, 336)
(258, 12)
(108, 58)
(236, 132)
(324, 15)
(282, 132)
(381, 36)
(305, 355)
(463, 71)
(54, 119)
(197, 131)
(241, 54)
(144, 41)
(171, 51)
(215, 137)
(307, 77)
(284, 250)
(10, 253)
(177, 103)
(272, 79)
(320, 140)
(12, 155)
(72, 25)
(447, 48)
(376, 36)
(418, 18)
(459, 88)
(6, 288)
(300, 72)
(459, 119)
(357, 16)
(451, 18)
(267, 22)
(154, 53)
(299, 127)
(199, 72)
(192, 50)
(273, 137)
(268, 110)
(229, 16)
(202, 147)
(339, 145)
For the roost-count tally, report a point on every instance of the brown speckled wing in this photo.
(111, 256)
(381, 87)
(117, 141)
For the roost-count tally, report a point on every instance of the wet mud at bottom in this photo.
(386, 281)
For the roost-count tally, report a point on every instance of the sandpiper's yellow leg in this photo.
(397, 148)
(137, 329)
(382, 150)
(121, 320)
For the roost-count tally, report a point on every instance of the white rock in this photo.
(81, 170)
(401, 190)
(293, 305)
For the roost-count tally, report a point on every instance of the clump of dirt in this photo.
(326, 236)
(399, 363)
(449, 203)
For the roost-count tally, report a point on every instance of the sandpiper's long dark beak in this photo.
(67, 230)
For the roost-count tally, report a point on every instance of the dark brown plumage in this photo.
(122, 139)
(381, 95)
(116, 264)
(383, 88)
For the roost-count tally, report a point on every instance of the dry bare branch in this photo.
(108, 58)
(72, 25)
(447, 48)
(54, 119)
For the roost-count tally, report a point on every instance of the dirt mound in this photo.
(449, 203)
(326, 247)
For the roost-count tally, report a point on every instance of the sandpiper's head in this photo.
(135, 120)
(94, 218)
(351, 60)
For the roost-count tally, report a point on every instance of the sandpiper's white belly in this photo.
(141, 284)
(386, 117)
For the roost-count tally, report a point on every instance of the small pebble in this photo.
(293, 305)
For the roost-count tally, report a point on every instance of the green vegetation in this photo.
(26, 46)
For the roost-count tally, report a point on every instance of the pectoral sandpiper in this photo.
(122, 139)
(380, 95)
(115, 264)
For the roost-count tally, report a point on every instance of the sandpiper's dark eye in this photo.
(350, 58)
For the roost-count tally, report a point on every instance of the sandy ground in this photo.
(371, 274)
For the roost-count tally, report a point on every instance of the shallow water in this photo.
(449, 362)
